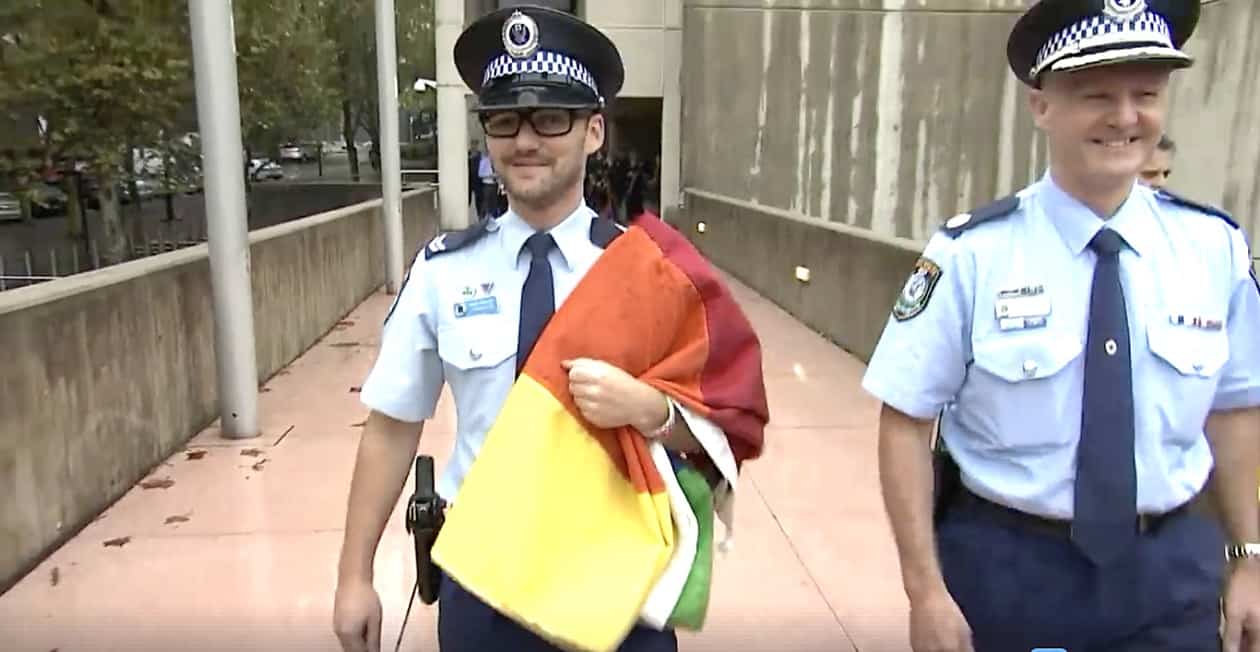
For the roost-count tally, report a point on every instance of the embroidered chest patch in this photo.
(917, 292)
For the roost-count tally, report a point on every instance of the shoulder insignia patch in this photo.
(1167, 196)
(957, 224)
(456, 240)
(604, 231)
(917, 292)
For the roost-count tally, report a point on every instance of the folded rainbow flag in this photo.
(568, 528)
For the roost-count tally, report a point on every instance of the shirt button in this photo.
(1110, 347)
(1030, 368)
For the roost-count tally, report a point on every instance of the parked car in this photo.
(10, 207)
(292, 152)
(48, 200)
(260, 169)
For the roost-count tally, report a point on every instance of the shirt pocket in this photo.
(1021, 392)
(478, 344)
(1188, 364)
(1191, 352)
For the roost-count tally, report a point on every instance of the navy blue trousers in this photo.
(1021, 589)
(466, 624)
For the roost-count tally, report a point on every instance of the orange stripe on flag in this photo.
(632, 290)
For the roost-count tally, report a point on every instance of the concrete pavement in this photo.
(233, 545)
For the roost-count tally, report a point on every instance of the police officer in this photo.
(1089, 346)
(1158, 168)
(476, 300)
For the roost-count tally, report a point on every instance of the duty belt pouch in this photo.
(946, 477)
(426, 512)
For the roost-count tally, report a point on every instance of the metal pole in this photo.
(391, 175)
(452, 120)
(219, 116)
(671, 125)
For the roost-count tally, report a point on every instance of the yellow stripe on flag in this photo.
(548, 531)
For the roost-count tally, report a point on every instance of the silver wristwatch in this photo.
(1242, 551)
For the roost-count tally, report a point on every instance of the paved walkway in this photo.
(233, 545)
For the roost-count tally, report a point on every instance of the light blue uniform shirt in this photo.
(1010, 390)
(426, 344)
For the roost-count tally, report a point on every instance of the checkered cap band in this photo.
(1099, 31)
(542, 61)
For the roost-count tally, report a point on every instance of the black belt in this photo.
(1059, 528)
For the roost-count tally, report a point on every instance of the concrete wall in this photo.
(647, 34)
(894, 115)
(1215, 113)
(855, 275)
(109, 372)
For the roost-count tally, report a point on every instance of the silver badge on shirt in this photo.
(1022, 308)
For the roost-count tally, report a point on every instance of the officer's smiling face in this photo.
(1102, 123)
(545, 172)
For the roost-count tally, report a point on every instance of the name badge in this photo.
(1021, 308)
(482, 306)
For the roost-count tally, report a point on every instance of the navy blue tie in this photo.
(538, 297)
(1104, 524)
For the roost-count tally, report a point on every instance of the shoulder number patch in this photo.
(917, 292)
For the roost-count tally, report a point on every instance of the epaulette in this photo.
(1202, 208)
(604, 231)
(959, 223)
(456, 240)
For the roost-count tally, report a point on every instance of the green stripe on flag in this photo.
(693, 603)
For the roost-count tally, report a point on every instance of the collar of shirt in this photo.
(1077, 223)
(570, 234)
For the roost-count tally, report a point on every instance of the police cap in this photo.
(1075, 34)
(529, 56)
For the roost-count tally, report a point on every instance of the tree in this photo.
(102, 76)
(107, 79)
(284, 70)
(351, 25)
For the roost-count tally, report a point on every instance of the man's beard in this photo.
(548, 190)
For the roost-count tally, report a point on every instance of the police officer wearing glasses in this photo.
(1091, 347)
(475, 301)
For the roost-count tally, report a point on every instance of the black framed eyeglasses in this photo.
(546, 122)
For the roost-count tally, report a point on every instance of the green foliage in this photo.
(351, 26)
(284, 70)
(101, 75)
(82, 81)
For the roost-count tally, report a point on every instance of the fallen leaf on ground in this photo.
(195, 455)
(157, 483)
(119, 542)
(56, 575)
(176, 519)
(251, 452)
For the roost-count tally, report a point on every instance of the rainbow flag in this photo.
(568, 528)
